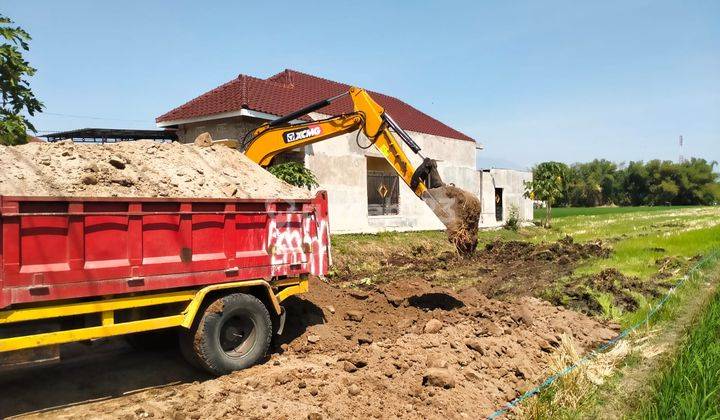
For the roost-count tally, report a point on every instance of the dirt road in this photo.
(108, 369)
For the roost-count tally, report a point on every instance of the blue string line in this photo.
(551, 379)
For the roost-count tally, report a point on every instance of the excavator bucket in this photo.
(457, 209)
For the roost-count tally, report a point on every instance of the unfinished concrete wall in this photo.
(512, 183)
(226, 128)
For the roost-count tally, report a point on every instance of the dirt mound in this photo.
(136, 169)
(564, 251)
(460, 212)
(405, 349)
(592, 294)
(671, 266)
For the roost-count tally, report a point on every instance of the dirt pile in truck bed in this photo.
(400, 350)
(142, 168)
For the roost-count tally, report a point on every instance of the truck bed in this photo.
(67, 248)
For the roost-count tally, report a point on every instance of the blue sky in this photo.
(531, 80)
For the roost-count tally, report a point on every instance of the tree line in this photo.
(653, 183)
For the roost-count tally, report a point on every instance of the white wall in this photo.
(226, 128)
(513, 184)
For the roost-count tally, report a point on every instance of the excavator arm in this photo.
(278, 136)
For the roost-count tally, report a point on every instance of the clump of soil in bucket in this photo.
(459, 210)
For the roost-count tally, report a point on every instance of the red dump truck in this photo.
(215, 270)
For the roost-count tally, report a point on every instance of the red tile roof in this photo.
(291, 90)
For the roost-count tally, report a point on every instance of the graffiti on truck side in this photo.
(294, 241)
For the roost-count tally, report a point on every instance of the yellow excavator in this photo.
(458, 210)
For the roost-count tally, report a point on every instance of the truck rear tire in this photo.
(233, 333)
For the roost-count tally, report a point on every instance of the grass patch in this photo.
(639, 256)
(351, 242)
(690, 387)
(642, 244)
(656, 222)
(622, 226)
(609, 310)
(560, 212)
(675, 301)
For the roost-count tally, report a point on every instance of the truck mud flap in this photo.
(281, 321)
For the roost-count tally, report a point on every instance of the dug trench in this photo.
(405, 344)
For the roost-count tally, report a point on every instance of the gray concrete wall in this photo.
(341, 169)
(513, 184)
(226, 128)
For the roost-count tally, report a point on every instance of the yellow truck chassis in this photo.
(271, 292)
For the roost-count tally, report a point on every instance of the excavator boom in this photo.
(278, 136)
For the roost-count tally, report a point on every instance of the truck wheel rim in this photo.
(237, 336)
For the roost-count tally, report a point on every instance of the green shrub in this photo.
(513, 220)
(294, 173)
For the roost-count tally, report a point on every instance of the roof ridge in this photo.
(350, 85)
(197, 99)
(317, 77)
(248, 77)
(289, 76)
(337, 83)
(271, 80)
(283, 78)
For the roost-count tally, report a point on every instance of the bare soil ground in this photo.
(405, 347)
(501, 269)
(142, 168)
